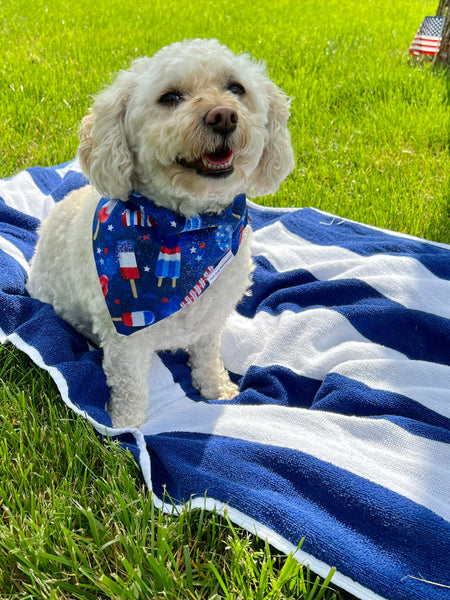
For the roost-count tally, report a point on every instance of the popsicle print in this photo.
(168, 264)
(103, 214)
(138, 318)
(136, 217)
(193, 223)
(127, 262)
(104, 280)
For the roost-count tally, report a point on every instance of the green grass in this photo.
(370, 127)
(371, 134)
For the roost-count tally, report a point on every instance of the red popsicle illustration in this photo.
(104, 280)
(139, 318)
(168, 264)
(197, 289)
(103, 214)
(127, 262)
(136, 217)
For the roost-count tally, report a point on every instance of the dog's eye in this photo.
(236, 88)
(171, 98)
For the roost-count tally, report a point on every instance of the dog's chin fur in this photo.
(185, 191)
(134, 140)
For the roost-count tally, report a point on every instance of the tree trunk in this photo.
(443, 10)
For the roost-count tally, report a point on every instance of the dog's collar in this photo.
(152, 262)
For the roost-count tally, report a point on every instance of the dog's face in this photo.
(190, 127)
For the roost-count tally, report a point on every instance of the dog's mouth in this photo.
(212, 164)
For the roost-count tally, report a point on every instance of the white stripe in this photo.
(73, 165)
(318, 341)
(426, 44)
(21, 193)
(401, 279)
(374, 449)
(424, 382)
(427, 38)
(14, 252)
(315, 342)
(169, 257)
(310, 343)
(423, 48)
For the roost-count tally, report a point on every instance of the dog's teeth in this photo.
(216, 167)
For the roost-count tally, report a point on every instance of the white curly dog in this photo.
(189, 128)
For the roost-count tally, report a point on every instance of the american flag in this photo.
(429, 36)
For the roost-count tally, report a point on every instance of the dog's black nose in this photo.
(222, 119)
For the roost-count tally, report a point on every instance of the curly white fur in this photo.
(133, 141)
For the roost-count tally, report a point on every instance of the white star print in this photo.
(110, 227)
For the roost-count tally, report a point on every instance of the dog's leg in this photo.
(126, 366)
(209, 375)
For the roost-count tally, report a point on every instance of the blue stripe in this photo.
(346, 396)
(346, 520)
(276, 385)
(45, 178)
(268, 385)
(16, 306)
(279, 291)
(51, 183)
(19, 229)
(417, 335)
(70, 182)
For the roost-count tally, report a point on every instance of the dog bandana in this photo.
(152, 262)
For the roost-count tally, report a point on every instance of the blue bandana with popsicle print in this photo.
(152, 262)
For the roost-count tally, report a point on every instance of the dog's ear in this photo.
(277, 160)
(104, 154)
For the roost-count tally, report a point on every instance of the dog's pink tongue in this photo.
(219, 158)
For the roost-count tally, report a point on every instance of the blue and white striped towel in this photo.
(340, 434)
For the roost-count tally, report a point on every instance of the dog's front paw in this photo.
(125, 413)
(219, 387)
(228, 391)
(208, 373)
(126, 421)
